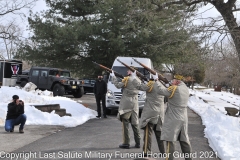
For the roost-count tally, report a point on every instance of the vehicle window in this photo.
(59, 73)
(123, 71)
(86, 82)
(65, 74)
(43, 73)
(52, 73)
(35, 72)
(93, 81)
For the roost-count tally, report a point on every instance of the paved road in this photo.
(99, 138)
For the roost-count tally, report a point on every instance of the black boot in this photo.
(137, 145)
(147, 155)
(126, 146)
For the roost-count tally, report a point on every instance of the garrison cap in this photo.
(178, 77)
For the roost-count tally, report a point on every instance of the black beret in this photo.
(15, 97)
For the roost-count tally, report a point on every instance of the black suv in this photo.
(88, 84)
(54, 79)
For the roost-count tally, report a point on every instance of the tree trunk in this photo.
(225, 10)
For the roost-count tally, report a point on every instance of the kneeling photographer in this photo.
(15, 115)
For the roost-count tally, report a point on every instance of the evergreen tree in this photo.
(73, 33)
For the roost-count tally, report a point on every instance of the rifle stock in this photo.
(108, 69)
(132, 69)
(152, 71)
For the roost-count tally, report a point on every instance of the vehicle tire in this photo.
(79, 93)
(58, 90)
(23, 83)
(108, 111)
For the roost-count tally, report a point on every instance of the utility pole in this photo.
(3, 69)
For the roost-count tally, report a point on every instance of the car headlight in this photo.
(142, 97)
(110, 94)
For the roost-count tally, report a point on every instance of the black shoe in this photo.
(21, 131)
(126, 146)
(105, 116)
(146, 155)
(12, 130)
(137, 145)
(98, 116)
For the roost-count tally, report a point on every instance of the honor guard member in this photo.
(175, 126)
(152, 115)
(128, 108)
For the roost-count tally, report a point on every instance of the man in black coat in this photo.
(15, 115)
(100, 90)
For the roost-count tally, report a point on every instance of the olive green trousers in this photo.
(147, 140)
(185, 146)
(125, 130)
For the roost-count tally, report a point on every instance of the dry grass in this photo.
(85, 105)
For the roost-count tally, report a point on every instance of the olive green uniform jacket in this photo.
(175, 126)
(153, 110)
(128, 107)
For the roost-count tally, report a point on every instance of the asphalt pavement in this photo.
(95, 139)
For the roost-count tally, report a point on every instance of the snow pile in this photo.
(222, 131)
(80, 114)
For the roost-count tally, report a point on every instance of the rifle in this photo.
(109, 70)
(152, 71)
(132, 69)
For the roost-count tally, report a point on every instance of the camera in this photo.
(21, 102)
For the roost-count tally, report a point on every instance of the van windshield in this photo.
(123, 71)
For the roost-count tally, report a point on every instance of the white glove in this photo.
(134, 74)
(155, 77)
(112, 74)
(167, 85)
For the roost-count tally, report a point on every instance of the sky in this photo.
(221, 130)
(208, 13)
(204, 12)
(204, 15)
(20, 17)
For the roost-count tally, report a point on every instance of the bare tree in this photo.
(11, 34)
(225, 7)
(223, 66)
(15, 6)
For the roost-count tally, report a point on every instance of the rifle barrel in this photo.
(152, 71)
(108, 69)
(132, 69)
